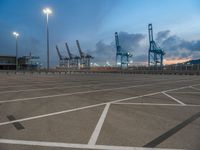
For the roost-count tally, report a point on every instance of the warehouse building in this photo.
(24, 63)
(7, 62)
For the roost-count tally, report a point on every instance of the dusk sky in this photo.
(176, 25)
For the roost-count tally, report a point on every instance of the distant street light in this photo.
(16, 35)
(47, 11)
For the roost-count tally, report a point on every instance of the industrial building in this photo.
(29, 62)
(7, 62)
(24, 62)
(193, 62)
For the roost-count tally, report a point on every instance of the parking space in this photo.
(188, 97)
(99, 111)
(138, 125)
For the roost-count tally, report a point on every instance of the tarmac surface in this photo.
(99, 111)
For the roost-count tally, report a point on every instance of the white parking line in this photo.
(96, 132)
(32, 84)
(51, 114)
(42, 89)
(62, 87)
(74, 93)
(156, 104)
(186, 92)
(56, 83)
(195, 88)
(74, 146)
(80, 108)
(83, 92)
(178, 101)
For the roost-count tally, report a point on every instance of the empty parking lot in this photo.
(99, 111)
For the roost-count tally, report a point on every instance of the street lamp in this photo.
(47, 11)
(16, 35)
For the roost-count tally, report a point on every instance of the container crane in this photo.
(63, 61)
(85, 59)
(73, 60)
(122, 57)
(155, 55)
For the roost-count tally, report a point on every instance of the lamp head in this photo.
(16, 34)
(47, 11)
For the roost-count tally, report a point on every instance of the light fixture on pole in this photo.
(16, 35)
(47, 11)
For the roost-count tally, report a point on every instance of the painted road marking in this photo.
(41, 89)
(74, 146)
(172, 131)
(195, 88)
(67, 83)
(69, 94)
(186, 92)
(96, 132)
(51, 114)
(83, 92)
(156, 104)
(90, 106)
(63, 87)
(178, 101)
(61, 83)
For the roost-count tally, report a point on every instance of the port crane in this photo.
(85, 59)
(155, 54)
(122, 56)
(63, 61)
(73, 59)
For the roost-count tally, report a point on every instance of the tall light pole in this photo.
(16, 35)
(47, 11)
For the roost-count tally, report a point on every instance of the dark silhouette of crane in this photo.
(85, 59)
(122, 56)
(73, 59)
(63, 61)
(155, 55)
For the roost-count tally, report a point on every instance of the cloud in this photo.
(176, 47)
(130, 41)
(162, 35)
(104, 52)
(191, 45)
(107, 52)
(140, 58)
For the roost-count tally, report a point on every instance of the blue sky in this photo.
(93, 23)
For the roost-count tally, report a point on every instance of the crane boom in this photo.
(59, 55)
(116, 39)
(117, 44)
(79, 49)
(69, 53)
(150, 32)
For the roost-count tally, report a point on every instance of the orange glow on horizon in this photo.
(175, 61)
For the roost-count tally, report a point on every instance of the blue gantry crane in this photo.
(155, 55)
(122, 56)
